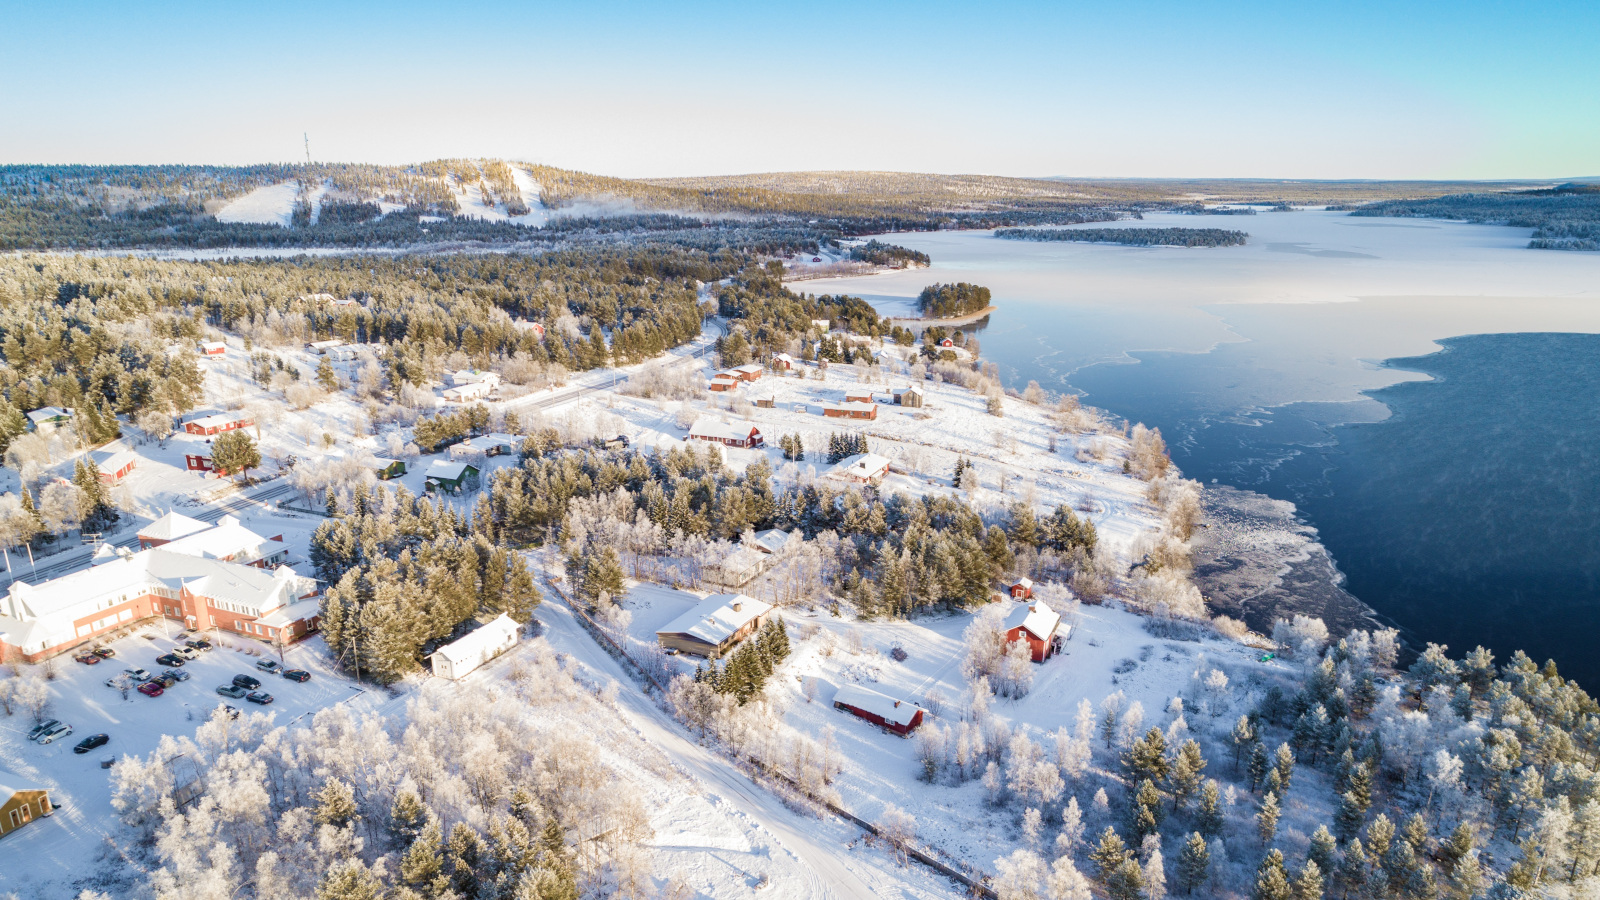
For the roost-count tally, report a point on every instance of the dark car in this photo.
(232, 690)
(91, 742)
(88, 659)
(300, 675)
(152, 689)
(261, 697)
(105, 652)
(175, 675)
(165, 679)
(198, 645)
(246, 682)
(170, 660)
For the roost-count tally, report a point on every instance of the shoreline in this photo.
(946, 321)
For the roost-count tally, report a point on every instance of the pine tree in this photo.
(1147, 758)
(1267, 818)
(1209, 817)
(1126, 882)
(423, 861)
(349, 879)
(336, 803)
(235, 452)
(1108, 854)
(1353, 867)
(1194, 863)
(1308, 885)
(1323, 850)
(1242, 737)
(1259, 765)
(326, 376)
(1186, 771)
(1272, 879)
(407, 815)
(1283, 762)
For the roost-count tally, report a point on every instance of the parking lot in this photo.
(68, 843)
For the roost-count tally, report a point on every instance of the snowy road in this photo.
(830, 870)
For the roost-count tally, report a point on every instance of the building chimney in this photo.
(738, 605)
(897, 704)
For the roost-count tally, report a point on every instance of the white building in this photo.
(862, 468)
(324, 346)
(474, 376)
(466, 393)
(465, 654)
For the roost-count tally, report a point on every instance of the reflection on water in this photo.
(1249, 358)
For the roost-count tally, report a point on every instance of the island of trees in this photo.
(940, 301)
(1137, 237)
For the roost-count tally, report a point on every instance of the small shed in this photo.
(213, 348)
(1037, 624)
(714, 625)
(21, 802)
(947, 343)
(897, 716)
(908, 396)
(466, 654)
(783, 362)
(770, 401)
(386, 468)
(858, 395)
(722, 381)
(115, 466)
(450, 477)
(1021, 589)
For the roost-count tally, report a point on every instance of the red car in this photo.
(88, 659)
(151, 689)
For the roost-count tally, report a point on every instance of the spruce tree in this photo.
(1308, 885)
(1194, 863)
(1209, 817)
(1272, 879)
(1259, 765)
(1108, 854)
(1267, 818)
(1323, 850)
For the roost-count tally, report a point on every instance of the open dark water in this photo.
(1471, 515)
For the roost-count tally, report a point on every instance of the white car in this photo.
(54, 733)
(186, 653)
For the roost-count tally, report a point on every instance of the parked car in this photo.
(246, 682)
(269, 666)
(300, 675)
(187, 653)
(54, 733)
(88, 659)
(151, 689)
(42, 727)
(231, 690)
(176, 675)
(231, 712)
(104, 652)
(201, 644)
(91, 742)
(170, 660)
(261, 697)
(137, 674)
(164, 680)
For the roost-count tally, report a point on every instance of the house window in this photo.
(213, 621)
(272, 632)
(236, 624)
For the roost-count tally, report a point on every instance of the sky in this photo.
(1134, 88)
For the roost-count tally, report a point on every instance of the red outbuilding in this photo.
(897, 716)
(216, 424)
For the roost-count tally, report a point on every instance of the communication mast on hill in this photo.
(307, 136)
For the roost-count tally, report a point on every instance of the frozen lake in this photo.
(1249, 358)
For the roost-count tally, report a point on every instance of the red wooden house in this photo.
(897, 716)
(1022, 589)
(1038, 624)
(216, 424)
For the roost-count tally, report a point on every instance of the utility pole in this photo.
(307, 136)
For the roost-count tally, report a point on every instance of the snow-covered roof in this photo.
(861, 466)
(212, 345)
(327, 344)
(784, 357)
(849, 406)
(227, 540)
(484, 637)
(773, 540)
(717, 617)
(908, 389)
(897, 712)
(1035, 617)
(172, 526)
(748, 369)
(858, 392)
(471, 376)
(217, 420)
(444, 470)
(11, 785)
(294, 612)
(49, 413)
(1023, 582)
(490, 441)
(707, 427)
(114, 461)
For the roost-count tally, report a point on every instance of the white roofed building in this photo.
(169, 527)
(897, 716)
(714, 625)
(716, 431)
(463, 655)
(861, 468)
(1040, 626)
(474, 376)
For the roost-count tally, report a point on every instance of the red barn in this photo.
(947, 343)
(897, 716)
(216, 424)
(115, 466)
(850, 410)
(1036, 623)
(741, 434)
(1022, 589)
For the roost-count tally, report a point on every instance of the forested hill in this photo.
(1138, 237)
(1566, 217)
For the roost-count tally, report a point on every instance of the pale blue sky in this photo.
(1346, 90)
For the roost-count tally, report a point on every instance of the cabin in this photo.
(49, 418)
(747, 372)
(858, 395)
(770, 401)
(738, 568)
(742, 435)
(450, 477)
(848, 410)
(1037, 624)
(115, 466)
(908, 396)
(721, 382)
(947, 343)
(21, 803)
(466, 393)
(882, 710)
(200, 462)
(774, 541)
(322, 348)
(1021, 589)
(465, 654)
(217, 423)
(783, 362)
(346, 353)
(861, 468)
(213, 348)
(620, 442)
(386, 468)
(714, 625)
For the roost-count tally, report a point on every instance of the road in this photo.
(830, 870)
(59, 564)
(609, 379)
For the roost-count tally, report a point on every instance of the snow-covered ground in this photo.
(270, 205)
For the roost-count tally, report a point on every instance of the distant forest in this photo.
(1137, 237)
(1562, 218)
(941, 300)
